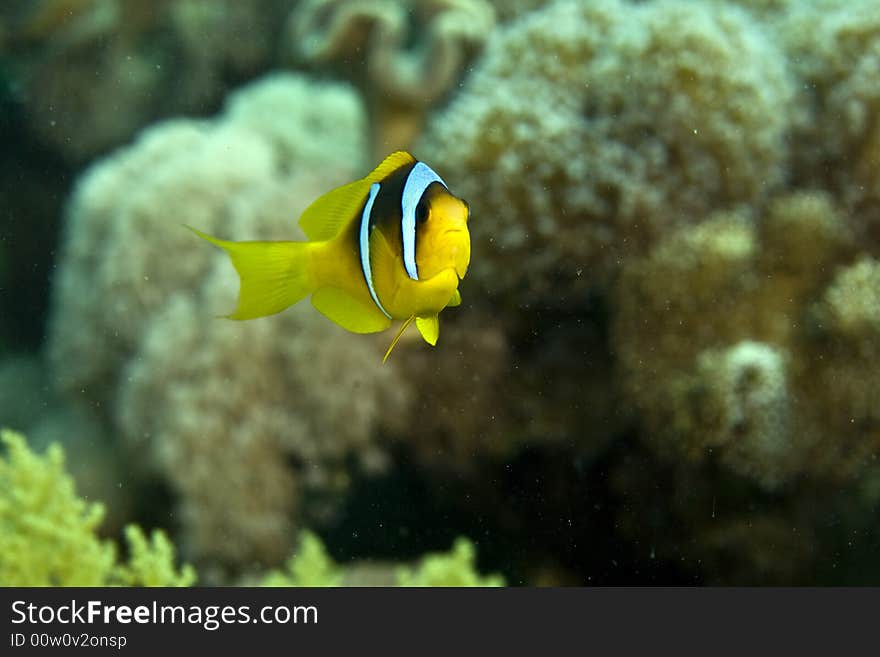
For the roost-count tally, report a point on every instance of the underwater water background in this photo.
(665, 368)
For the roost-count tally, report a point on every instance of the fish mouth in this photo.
(461, 250)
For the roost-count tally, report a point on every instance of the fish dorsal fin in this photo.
(328, 214)
(429, 327)
(350, 313)
(390, 164)
(455, 300)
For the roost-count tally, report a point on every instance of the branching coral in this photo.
(587, 129)
(240, 418)
(406, 69)
(48, 535)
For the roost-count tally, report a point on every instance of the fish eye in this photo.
(422, 212)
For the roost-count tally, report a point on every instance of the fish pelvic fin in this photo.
(274, 275)
(429, 327)
(397, 337)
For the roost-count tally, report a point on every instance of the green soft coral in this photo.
(48, 535)
(312, 566)
(454, 568)
(151, 561)
(309, 566)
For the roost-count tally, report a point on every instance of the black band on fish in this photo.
(419, 179)
(364, 246)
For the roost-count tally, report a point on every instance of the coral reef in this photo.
(716, 343)
(153, 59)
(487, 398)
(664, 358)
(401, 70)
(834, 47)
(48, 535)
(282, 421)
(742, 343)
(506, 10)
(457, 568)
(240, 419)
(310, 565)
(118, 235)
(588, 129)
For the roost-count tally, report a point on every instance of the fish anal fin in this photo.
(429, 327)
(325, 218)
(350, 313)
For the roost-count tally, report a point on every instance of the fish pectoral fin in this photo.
(350, 313)
(429, 327)
(328, 214)
(274, 275)
(455, 300)
(397, 338)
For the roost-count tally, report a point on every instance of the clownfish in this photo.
(391, 246)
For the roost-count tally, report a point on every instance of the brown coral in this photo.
(588, 129)
(93, 73)
(405, 69)
(835, 49)
(735, 348)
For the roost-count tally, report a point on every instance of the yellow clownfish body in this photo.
(391, 246)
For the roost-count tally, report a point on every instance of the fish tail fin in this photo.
(274, 275)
